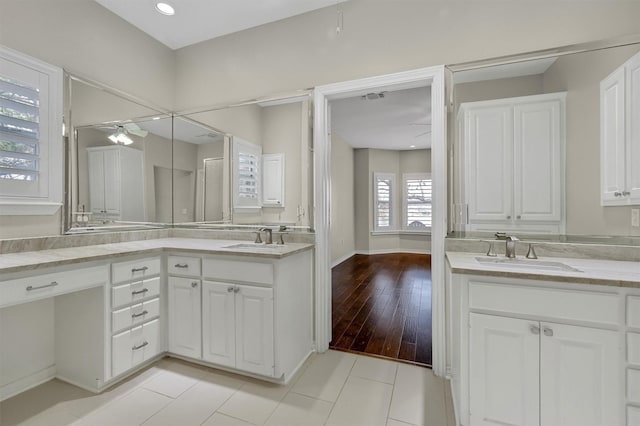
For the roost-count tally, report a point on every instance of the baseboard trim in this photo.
(26, 383)
(391, 251)
(342, 259)
(456, 417)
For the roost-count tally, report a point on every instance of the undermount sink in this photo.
(253, 246)
(543, 265)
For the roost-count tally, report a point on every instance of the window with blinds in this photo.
(31, 163)
(383, 201)
(247, 174)
(19, 130)
(417, 200)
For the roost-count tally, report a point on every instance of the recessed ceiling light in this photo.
(165, 9)
(412, 146)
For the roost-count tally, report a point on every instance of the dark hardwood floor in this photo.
(382, 306)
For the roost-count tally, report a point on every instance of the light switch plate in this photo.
(635, 217)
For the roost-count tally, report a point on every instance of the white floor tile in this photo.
(418, 397)
(254, 402)
(193, 407)
(170, 383)
(380, 370)
(392, 422)
(297, 410)
(222, 420)
(129, 410)
(325, 376)
(362, 402)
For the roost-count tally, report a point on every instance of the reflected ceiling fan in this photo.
(422, 124)
(122, 131)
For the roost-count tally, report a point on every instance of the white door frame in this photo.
(434, 77)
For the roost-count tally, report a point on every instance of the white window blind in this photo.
(417, 200)
(383, 184)
(31, 164)
(247, 174)
(19, 130)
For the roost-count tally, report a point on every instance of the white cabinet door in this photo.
(503, 371)
(184, 317)
(633, 128)
(490, 146)
(112, 181)
(96, 181)
(218, 323)
(254, 330)
(612, 139)
(538, 161)
(273, 180)
(580, 376)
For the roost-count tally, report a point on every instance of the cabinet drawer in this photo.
(633, 348)
(182, 265)
(633, 311)
(238, 270)
(134, 292)
(135, 346)
(41, 286)
(135, 314)
(135, 269)
(546, 302)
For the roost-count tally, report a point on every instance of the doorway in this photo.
(434, 78)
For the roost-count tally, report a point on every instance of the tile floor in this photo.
(334, 388)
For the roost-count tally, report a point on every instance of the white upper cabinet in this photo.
(514, 163)
(273, 180)
(116, 182)
(620, 135)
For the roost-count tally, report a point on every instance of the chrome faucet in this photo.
(268, 238)
(510, 249)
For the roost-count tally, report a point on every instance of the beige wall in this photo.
(342, 199)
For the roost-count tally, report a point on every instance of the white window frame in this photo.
(391, 177)
(47, 198)
(405, 211)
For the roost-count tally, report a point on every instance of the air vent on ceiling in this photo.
(373, 96)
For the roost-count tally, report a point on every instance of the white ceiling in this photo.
(199, 20)
(401, 119)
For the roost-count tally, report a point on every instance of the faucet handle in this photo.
(531, 254)
(281, 239)
(258, 239)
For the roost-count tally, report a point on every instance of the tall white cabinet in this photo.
(620, 135)
(513, 170)
(116, 181)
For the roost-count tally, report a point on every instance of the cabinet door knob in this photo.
(194, 284)
(547, 331)
(236, 290)
(534, 329)
(229, 290)
(617, 194)
(518, 217)
(626, 193)
(509, 217)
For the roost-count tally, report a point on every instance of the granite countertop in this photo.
(589, 271)
(17, 262)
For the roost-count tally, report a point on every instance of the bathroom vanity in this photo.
(552, 341)
(93, 315)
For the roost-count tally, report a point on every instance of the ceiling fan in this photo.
(422, 124)
(122, 131)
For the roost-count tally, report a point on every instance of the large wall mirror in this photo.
(505, 119)
(132, 166)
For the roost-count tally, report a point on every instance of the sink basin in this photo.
(541, 265)
(252, 246)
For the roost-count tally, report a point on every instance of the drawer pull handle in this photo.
(143, 291)
(534, 329)
(181, 265)
(135, 348)
(139, 314)
(134, 270)
(31, 288)
(547, 331)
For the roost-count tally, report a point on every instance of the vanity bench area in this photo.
(544, 342)
(93, 315)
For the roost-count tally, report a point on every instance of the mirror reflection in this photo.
(533, 151)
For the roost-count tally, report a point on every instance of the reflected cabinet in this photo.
(514, 163)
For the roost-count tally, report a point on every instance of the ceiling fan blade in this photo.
(134, 129)
(422, 134)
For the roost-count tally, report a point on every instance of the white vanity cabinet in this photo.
(620, 135)
(514, 163)
(184, 304)
(135, 303)
(116, 182)
(537, 353)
